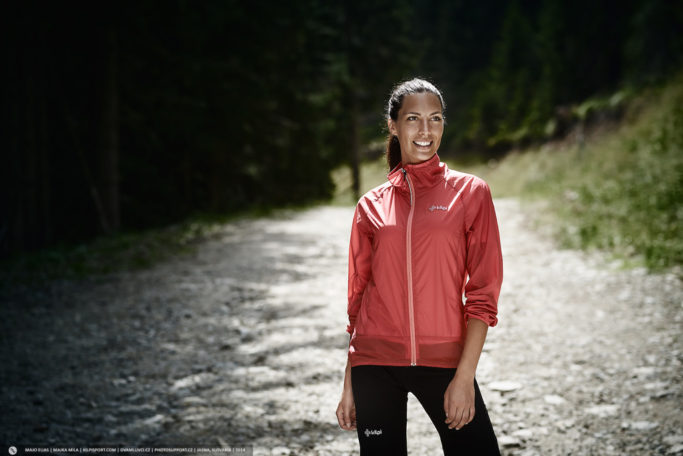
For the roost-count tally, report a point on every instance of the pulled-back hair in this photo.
(394, 105)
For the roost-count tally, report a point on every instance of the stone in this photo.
(193, 400)
(554, 399)
(524, 434)
(508, 441)
(603, 410)
(639, 425)
(673, 439)
(504, 386)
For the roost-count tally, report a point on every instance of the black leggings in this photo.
(380, 394)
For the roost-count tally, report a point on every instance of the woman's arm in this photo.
(360, 260)
(458, 400)
(346, 410)
(360, 265)
(485, 276)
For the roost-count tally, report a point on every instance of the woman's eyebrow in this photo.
(417, 113)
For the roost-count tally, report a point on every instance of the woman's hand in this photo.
(458, 402)
(346, 411)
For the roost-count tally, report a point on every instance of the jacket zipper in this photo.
(409, 261)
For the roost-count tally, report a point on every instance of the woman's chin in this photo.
(419, 157)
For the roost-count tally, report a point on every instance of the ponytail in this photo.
(393, 151)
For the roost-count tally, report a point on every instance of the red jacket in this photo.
(414, 240)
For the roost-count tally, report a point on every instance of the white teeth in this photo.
(423, 143)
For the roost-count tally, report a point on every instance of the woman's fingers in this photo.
(464, 419)
(352, 418)
(453, 414)
(471, 415)
(340, 416)
(459, 403)
(346, 416)
(460, 417)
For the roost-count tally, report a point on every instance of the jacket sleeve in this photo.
(484, 256)
(360, 261)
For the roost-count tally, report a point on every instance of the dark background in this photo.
(128, 115)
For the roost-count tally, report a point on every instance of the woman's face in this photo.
(419, 127)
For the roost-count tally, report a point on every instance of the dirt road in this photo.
(243, 342)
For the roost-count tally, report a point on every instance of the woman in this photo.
(414, 242)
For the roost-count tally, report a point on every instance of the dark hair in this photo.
(413, 86)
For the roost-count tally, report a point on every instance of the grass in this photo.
(125, 251)
(620, 192)
(372, 174)
(104, 254)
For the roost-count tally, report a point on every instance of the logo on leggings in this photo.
(369, 432)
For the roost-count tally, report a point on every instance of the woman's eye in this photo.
(436, 119)
(411, 118)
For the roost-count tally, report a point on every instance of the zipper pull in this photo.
(405, 176)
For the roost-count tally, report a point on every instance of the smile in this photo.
(422, 143)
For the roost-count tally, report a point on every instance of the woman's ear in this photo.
(392, 127)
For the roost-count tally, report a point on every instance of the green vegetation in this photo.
(105, 254)
(620, 190)
(125, 251)
(372, 174)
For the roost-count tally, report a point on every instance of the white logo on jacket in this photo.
(437, 208)
(369, 432)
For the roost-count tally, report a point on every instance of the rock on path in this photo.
(243, 342)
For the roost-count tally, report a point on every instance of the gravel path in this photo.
(243, 342)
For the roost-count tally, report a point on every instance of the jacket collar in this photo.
(422, 175)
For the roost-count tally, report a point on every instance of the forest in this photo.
(123, 116)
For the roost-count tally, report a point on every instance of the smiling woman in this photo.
(415, 117)
(418, 242)
(419, 127)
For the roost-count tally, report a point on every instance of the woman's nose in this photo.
(424, 125)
